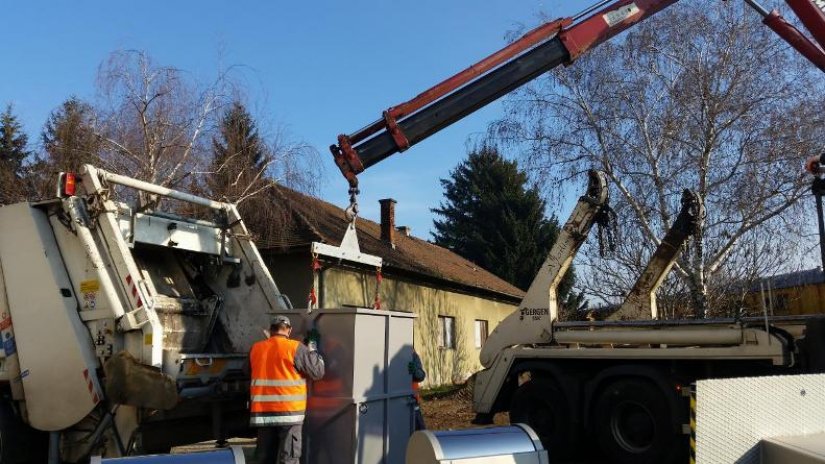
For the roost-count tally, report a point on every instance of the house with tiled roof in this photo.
(792, 293)
(457, 303)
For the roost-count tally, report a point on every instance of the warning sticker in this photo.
(616, 16)
(90, 299)
(89, 286)
(9, 346)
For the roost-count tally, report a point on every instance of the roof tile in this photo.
(311, 219)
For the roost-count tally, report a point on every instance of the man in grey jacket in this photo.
(280, 368)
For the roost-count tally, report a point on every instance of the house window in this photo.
(481, 332)
(446, 332)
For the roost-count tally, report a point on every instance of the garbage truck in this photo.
(125, 328)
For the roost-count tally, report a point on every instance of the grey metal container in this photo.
(362, 411)
(516, 444)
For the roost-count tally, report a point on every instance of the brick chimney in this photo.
(388, 221)
(404, 230)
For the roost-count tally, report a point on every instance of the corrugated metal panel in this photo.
(733, 415)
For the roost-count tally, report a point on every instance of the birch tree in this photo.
(158, 124)
(701, 98)
(156, 121)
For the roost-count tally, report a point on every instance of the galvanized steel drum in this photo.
(231, 455)
(517, 444)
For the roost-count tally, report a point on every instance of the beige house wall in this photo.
(353, 288)
(443, 365)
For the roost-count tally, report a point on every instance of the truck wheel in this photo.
(144, 446)
(9, 434)
(19, 443)
(633, 423)
(540, 404)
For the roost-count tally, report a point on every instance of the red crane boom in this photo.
(554, 43)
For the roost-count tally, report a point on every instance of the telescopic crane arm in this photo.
(554, 43)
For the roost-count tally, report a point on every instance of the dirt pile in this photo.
(453, 409)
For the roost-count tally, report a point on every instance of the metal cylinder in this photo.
(231, 455)
(676, 336)
(156, 189)
(466, 100)
(518, 441)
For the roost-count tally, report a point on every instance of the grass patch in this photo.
(441, 391)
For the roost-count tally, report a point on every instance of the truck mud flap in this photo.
(132, 383)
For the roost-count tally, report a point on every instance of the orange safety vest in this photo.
(416, 395)
(278, 392)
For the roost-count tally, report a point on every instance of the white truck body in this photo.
(613, 388)
(156, 310)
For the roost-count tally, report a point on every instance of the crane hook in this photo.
(352, 210)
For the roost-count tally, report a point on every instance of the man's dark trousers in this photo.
(279, 444)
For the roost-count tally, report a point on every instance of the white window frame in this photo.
(481, 328)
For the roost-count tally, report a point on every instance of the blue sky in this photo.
(314, 68)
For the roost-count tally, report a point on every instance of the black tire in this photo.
(542, 405)
(19, 443)
(151, 446)
(633, 422)
(9, 434)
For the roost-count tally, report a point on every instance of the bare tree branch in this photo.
(682, 102)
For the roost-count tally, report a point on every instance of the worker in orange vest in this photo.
(416, 370)
(278, 391)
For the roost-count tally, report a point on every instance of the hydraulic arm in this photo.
(641, 301)
(532, 322)
(557, 42)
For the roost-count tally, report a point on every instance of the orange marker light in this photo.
(69, 184)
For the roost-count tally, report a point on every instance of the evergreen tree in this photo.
(240, 157)
(13, 143)
(13, 154)
(494, 219)
(69, 138)
(239, 168)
